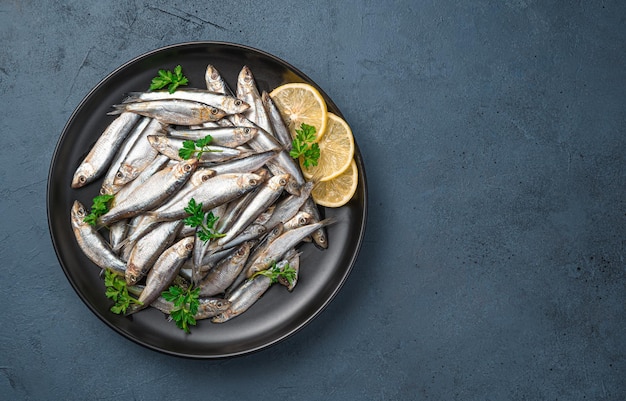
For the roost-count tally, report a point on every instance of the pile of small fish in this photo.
(247, 180)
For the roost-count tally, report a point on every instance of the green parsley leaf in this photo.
(169, 79)
(200, 146)
(303, 145)
(275, 272)
(117, 291)
(204, 222)
(185, 305)
(100, 205)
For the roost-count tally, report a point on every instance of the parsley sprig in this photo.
(204, 222)
(196, 147)
(185, 305)
(100, 205)
(170, 79)
(116, 290)
(275, 272)
(304, 145)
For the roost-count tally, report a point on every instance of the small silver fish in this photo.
(229, 104)
(154, 191)
(103, 151)
(175, 111)
(92, 243)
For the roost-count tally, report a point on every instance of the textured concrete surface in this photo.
(494, 136)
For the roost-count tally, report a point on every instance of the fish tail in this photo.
(119, 109)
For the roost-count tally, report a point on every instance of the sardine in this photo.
(164, 271)
(157, 164)
(244, 297)
(223, 136)
(108, 184)
(292, 257)
(268, 193)
(175, 111)
(92, 243)
(169, 146)
(148, 248)
(229, 104)
(215, 82)
(154, 191)
(279, 128)
(103, 151)
(282, 244)
(225, 272)
(247, 91)
(139, 156)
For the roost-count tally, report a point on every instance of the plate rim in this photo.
(76, 112)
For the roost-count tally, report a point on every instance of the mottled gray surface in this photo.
(494, 138)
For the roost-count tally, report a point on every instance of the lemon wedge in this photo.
(337, 191)
(301, 103)
(336, 151)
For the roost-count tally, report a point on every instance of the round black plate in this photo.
(278, 313)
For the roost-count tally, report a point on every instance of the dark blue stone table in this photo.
(494, 139)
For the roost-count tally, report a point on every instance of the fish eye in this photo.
(189, 245)
(102, 191)
(80, 212)
(246, 130)
(205, 177)
(252, 181)
(214, 110)
(219, 304)
(187, 167)
(238, 102)
(282, 182)
(119, 174)
(82, 179)
(302, 221)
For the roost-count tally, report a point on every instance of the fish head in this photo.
(159, 142)
(201, 175)
(245, 79)
(125, 174)
(303, 218)
(236, 104)
(185, 246)
(78, 213)
(244, 134)
(249, 180)
(186, 167)
(278, 182)
(292, 186)
(83, 175)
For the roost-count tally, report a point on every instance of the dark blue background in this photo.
(493, 135)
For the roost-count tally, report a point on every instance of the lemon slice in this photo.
(301, 103)
(338, 191)
(336, 151)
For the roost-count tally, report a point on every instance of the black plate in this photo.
(278, 314)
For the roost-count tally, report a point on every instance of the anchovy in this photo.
(225, 272)
(255, 253)
(268, 193)
(207, 306)
(230, 137)
(247, 91)
(157, 164)
(117, 233)
(288, 207)
(279, 128)
(169, 146)
(230, 104)
(214, 192)
(244, 297)
(282, 244)
(148, 248)
(140, 155)
(92, 243)
(108, 184)
(175, 111)
(152, 192)
(215, 82)
(164, 271)
(103, 151)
